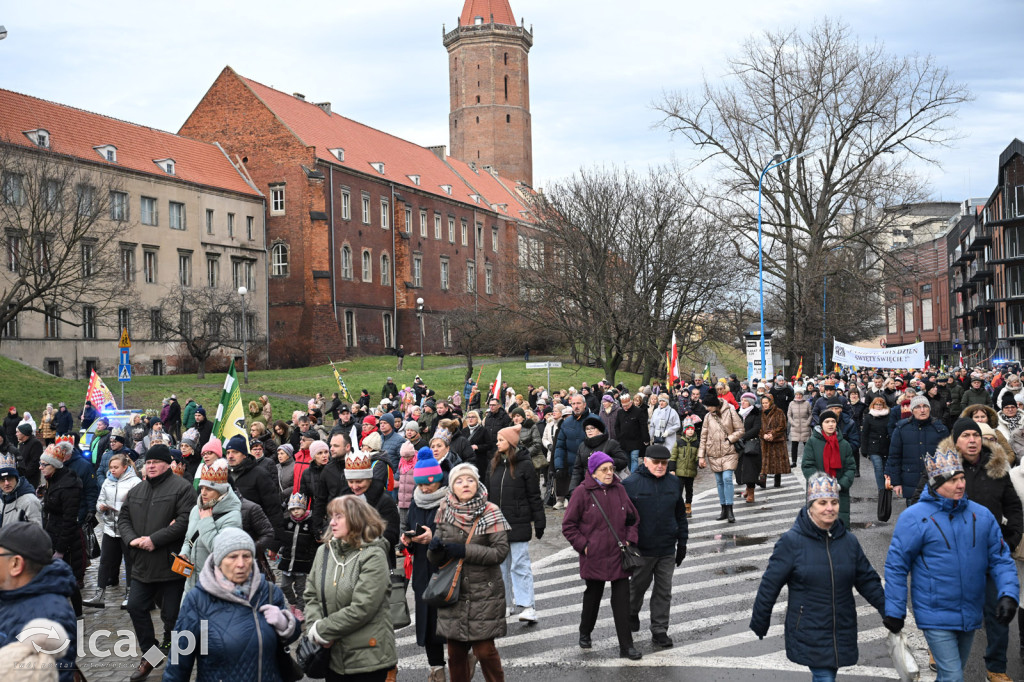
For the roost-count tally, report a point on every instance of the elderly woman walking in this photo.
(774, 459)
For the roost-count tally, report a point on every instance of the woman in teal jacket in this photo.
(829, 452)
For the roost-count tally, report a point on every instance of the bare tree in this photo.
(59, 223)
(866, 114)
(474, 329)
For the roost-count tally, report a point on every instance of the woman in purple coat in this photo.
(585, 528)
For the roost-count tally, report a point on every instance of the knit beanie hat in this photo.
(426, 470)
(230, 540)
(511, 434)
(237, 443)
(26, 429)
(8, 465)
(829, 414)
(964, 424)
(318, 446)
(821, 486)
(52, 457)
(711, 400)
(918, 401)
(597, 458)
(373, 441)
(407, 451)
(941, 467)
(464, 469)
(215, 476)
(160, 453)
(287, 448)
(517, 410)
(749, 397)
(389, 418)
(1008, 399)
(213, 445)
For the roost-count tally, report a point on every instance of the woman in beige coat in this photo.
(722, 428)
(799, 417)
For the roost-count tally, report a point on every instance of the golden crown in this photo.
(944, 464)
(822, 486)
(214, 473)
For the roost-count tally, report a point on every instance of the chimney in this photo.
(472, 166)
(299, 95)
(440, 151)
(326, 106)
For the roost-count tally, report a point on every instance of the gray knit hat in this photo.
(230, 540)
(918, 401)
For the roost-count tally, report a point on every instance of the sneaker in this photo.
(661, 640)
(510, 611)
(529, 615)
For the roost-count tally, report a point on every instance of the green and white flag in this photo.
(230, 419)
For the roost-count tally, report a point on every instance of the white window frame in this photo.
(279, 257)
(351, 336)
(149, 266)
(423, 224)
(366, 208)
(385, 270)
(488, 279)
(212, 272)
(118, 206)
(346, 205)
(437, 226)
(346, 262)
(176, 215)
(366, 264)
(417, 271)
(150, 217)
(185, 269)
(465, 232)
(277, 200)
(445, 273)
(209, 221)
(385, 207)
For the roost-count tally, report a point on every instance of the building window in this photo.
(346, 262)
(149, 267)
(52, 195)
(86, 198)
(465, 233)
(277, 200)
(279, 260)
(231, 225)
(451, 230)
(479, 236)
(124, 320)
(53, 367)
(417, 271)
(446, 333)
(908, 316)
(437, 226)
(185, 269)
(1015, 281)
(389, 331)
(11, 328)
(926, 314)
(148, 206)
(155, 324)
(384, 221)
(408, 221)
(385, 270)
(367, 263)
(51, 322)
(346, 205)
(88, 259)
(488, 279)
(176, 215)
(118, 206)
(185, 321)
(249, 226)
(366, 209)
(423, 224)
(13, 190)
(212, 271)
(241, 274)
(470, 276)
(158, 368)
(444, 273)
(494, 239)
(209, 221)
(350, 329)
(43, 257)
(128, 264)
(14, 244)
(236, 319)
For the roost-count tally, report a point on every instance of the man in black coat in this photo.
(782, 393)
(30, 449)
(662, 539)
(153, 521)
(495, 420)
(64, 422)
(252, 482)
(173, 421)
(631, 429)
(332, 483)
(205, 428)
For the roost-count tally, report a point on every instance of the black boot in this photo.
(1020, 619)
(728, 512)
(724, 515)
(778, 480)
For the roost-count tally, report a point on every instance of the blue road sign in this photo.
(124, 373)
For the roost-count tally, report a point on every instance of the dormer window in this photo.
(415, 179)
(39, 137)
(479, 21)
(378, 166)
(107, 152)
(447, 189)
(339, 153)
(475, 197)
(166, 165)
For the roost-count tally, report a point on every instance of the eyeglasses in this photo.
(659, 462)
(7, 554)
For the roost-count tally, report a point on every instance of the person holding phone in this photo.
(418, 530)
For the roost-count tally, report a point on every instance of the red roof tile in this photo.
(76, 133)
(485, 8)
(367, 147)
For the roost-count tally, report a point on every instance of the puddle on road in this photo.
(733, 570)
(863, 524)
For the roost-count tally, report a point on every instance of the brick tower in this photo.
(489, 76)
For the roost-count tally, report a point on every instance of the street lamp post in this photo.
(419, 316)
(242, 291)
(824, 311)
(776, 161)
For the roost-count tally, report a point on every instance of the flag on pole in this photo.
(99, 395)
(673, 374)
(341, 382)
(230, 420)
(961, 363)
(800, 368)
(668, 368)
(927, 362)
(707, 371)
(495, 387)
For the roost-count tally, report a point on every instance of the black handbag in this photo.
(314, 659)
(92, 545)
(752, 447)
(885, 504)
(287, 668)
(443, 588)
(631, 559)
(397, 602)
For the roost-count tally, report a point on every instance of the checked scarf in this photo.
(464, 514)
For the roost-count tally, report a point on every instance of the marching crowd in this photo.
(309, 529)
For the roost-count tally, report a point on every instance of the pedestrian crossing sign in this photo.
(124, 373)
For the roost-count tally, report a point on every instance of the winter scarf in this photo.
(463, 515)
(831, 458)
(1013, 423)
(744, 411)
(879, 413)
(429, 500)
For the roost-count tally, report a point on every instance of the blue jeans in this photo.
(518, 575)
(723, 480)
(823, 674)
(997, 634)
(879, 466)
(634, 460)
(950, 649)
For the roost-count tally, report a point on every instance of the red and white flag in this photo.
(99, 395)
(673, 374)
(495, 387)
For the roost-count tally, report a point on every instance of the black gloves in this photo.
(893, 625)
(680, 554)
(1006, 608)
(435, 543)
(455, 549)
(539, 532)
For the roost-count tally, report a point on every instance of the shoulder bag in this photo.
(443, 588)
(397, 602)
(884, 504)
(314, 659)
(631, 559)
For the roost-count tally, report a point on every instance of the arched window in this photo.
(385, 270)
(279, 260)
(367, 267)
(346, 262)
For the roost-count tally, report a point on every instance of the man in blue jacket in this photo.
(567, 444)
(663, 532)
(912, 441)
(948, 544)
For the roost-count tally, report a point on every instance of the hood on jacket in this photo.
(942, 504)
(992, 415)
(23, 488)
(228, 502)
(997, 461)
(128, 475)
(55, 578)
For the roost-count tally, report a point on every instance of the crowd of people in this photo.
(307, 519)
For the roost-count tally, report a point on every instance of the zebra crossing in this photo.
(713, 593)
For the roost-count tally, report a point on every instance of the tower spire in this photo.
(485, 11)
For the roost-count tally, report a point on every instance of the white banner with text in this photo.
(907, 357)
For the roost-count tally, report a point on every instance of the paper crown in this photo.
(822, 486)
(215, 473)
(942, 465)
(297, 501)
(8, 462)
(64, 439)
(444, 434)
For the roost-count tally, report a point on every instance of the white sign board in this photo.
(906, 357)
(543, 365)
(754, 358)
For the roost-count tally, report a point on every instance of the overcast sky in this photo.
(596, 66)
